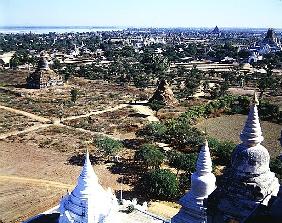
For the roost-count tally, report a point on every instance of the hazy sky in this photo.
(148, 13)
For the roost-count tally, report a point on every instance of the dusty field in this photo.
(121, 123)
(12, 122)
(228, 127)
(32, 179)
(56, 102)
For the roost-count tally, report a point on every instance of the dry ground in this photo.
(33, 179)
(121, 123)
(56, 102)
(228, 127)
(12, 122)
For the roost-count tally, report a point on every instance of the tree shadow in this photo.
(129, 195)
(78, 159)
(133, 143)
(130, 171)
(137, 115)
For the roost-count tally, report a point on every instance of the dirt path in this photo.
(55, 121)
(145, 110)
(29, 129)
(89, 131)
(38, 182)
(95, 112)
(27, 114)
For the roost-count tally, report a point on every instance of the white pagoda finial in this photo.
(204, 163)
(88, 202)
(202, 185)
(87, 180)
(252, 134)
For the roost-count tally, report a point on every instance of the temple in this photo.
(43, 76)
(202, 185)
(253, 183)
(88, 202)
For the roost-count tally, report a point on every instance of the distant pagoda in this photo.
(88, 202)
(270, 38)
(203, 180)
(249, 182)
(43, 76)
(215, 30)
(164, 94)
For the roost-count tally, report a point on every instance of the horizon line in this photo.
(138, 27)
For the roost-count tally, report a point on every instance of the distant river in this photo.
(57, 29)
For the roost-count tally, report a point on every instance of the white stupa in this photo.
(88, 202)
(202, 185)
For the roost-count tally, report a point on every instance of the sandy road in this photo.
(96, 112)
(26, 130)
(46, 120)
(37, 182)
(26, 114)
(145, 110)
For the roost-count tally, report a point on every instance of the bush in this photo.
(150, 155)
(184, 182)
(159, 184)
(108, 146)
(182, 161)
(74, 95)
(222, 150)
(156, 105)
(181, 134)
(154, 131)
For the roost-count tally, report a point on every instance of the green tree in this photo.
(193, 80)
(154, 131)
(56, 64)
(108, 146)
(156, 105)
(159, 184)
(222, 150)
(74, 95)
(181, 134)
(182, 161)
(15, 61)
(150, 155)
(276, 167)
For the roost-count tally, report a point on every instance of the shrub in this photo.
(150, 155)
(159, 184)
(108, 146)
(154, 131)
(74, 95)
(181, 134)
(222, 150)
(182, 161)
(184, 182)
(156, 105)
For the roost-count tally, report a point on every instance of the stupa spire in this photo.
(252, 134)
(204, 163)
(87, 180)
(88, 202)
(202, 185)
